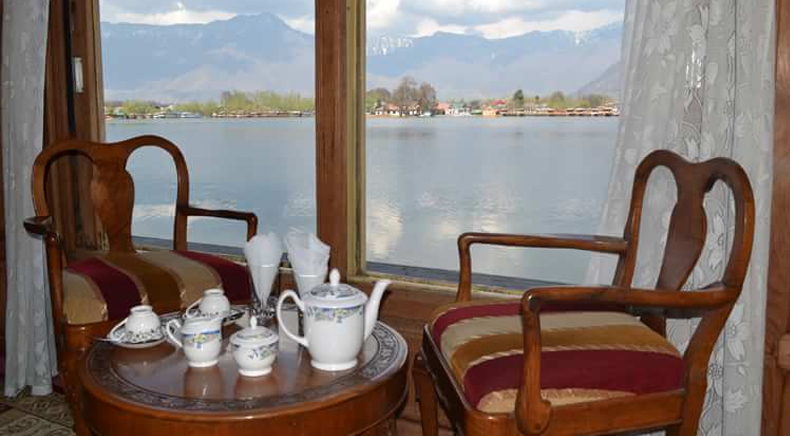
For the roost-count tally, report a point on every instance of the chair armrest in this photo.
(42, 226)
(712, 297)
(600, 244)
(716, 301)
(248, 217)
(55, 261)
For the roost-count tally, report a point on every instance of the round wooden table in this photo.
(153, 392)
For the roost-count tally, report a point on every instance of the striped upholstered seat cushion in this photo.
(106, 287)
(587, 355)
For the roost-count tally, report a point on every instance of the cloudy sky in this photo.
(490, 18)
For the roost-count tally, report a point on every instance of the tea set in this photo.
(337, 319)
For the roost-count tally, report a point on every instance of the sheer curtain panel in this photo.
(699, 80)
(30, 347)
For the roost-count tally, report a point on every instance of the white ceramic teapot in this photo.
(338, 318)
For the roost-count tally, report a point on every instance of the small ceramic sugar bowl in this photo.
(255, 349)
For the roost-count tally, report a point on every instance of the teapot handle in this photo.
(169, 331)
(283, 328)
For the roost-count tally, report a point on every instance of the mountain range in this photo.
(255, 52)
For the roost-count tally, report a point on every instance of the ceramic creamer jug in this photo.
(338, 318)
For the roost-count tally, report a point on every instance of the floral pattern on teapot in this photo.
(333, 293)
(337, 315)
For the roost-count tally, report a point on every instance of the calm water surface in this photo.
(428, 180)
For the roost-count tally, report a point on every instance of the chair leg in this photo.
(426, 396)
(71, 381)
(692, 410)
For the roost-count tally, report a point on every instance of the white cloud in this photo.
(181, 15)
(460, 7)
(381, 13)
(428, 27)
(571, 20)
(304, 24)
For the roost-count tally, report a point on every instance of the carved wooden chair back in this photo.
(112, 187)
(688, 222)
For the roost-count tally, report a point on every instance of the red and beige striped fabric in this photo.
(587, 354)
(106, 287)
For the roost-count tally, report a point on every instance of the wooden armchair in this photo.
(89, 296)
(589, 360)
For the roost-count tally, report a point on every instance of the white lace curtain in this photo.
(699, 80)
(30, 348)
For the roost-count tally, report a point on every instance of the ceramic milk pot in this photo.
(338, 318)
(200, 338)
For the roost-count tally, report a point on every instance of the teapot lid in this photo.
(335, 294)
(254, 335)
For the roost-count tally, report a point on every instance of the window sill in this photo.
(403, 276)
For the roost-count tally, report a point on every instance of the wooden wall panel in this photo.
(3, 270)
(776, 387)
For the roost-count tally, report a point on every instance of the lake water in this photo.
(428, 180)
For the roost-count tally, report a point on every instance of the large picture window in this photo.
(232, 84)
(493, 117)
(478, 117)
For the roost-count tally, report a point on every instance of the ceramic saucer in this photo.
(128, 340)
(236, 312)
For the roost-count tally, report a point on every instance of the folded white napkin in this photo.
(263, 253)
(308, 255)
(309, 258)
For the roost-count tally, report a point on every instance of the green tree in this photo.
(139, 107)
(376, 98)
(426, 97)
(557, 100)
(596, 100)
(209, 108)
(518, 99)
(235, 101)
(406, 94)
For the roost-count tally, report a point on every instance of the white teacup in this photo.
(142, 325)
(213, 304)
(201, 339)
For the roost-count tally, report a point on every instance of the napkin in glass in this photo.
(309, 257)
(263, 253)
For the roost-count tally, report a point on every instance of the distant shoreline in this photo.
(393, 117)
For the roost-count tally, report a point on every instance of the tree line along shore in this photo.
(408, 99)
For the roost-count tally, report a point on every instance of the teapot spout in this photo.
(372, 306)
